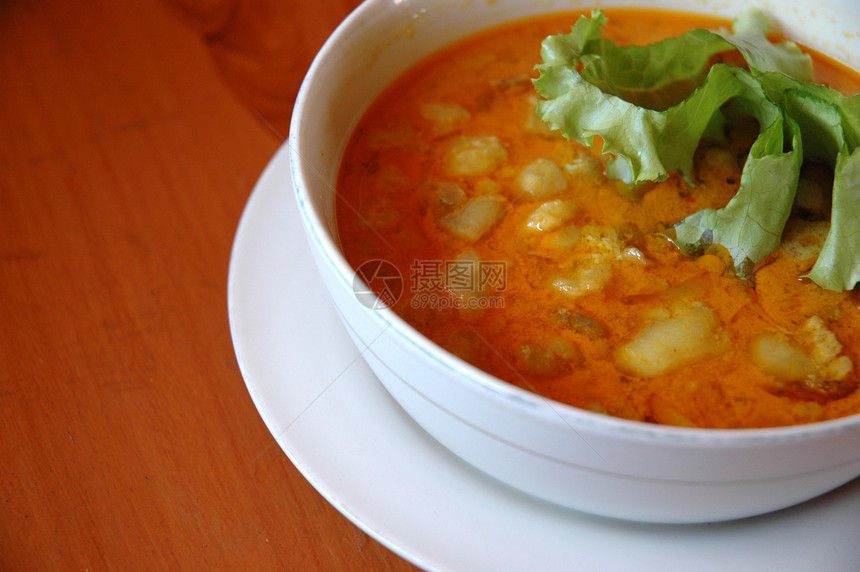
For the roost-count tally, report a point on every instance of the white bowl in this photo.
(575, 458)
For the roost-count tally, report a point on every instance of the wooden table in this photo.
(131, 134)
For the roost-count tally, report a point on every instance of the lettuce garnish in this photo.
(652, 105)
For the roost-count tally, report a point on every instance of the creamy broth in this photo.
(520, 256)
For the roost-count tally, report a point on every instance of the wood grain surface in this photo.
(131, 134)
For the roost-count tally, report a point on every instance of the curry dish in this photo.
(521, 256)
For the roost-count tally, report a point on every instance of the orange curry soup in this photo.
(520, 256)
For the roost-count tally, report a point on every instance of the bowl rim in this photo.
(316, 229)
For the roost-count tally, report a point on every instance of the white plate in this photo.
(356, 446)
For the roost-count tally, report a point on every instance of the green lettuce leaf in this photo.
(750, 225)
(830, 127)
(838, 264)
(652, 105)
(749, 36)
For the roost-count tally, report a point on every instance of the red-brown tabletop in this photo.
(131, 135)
